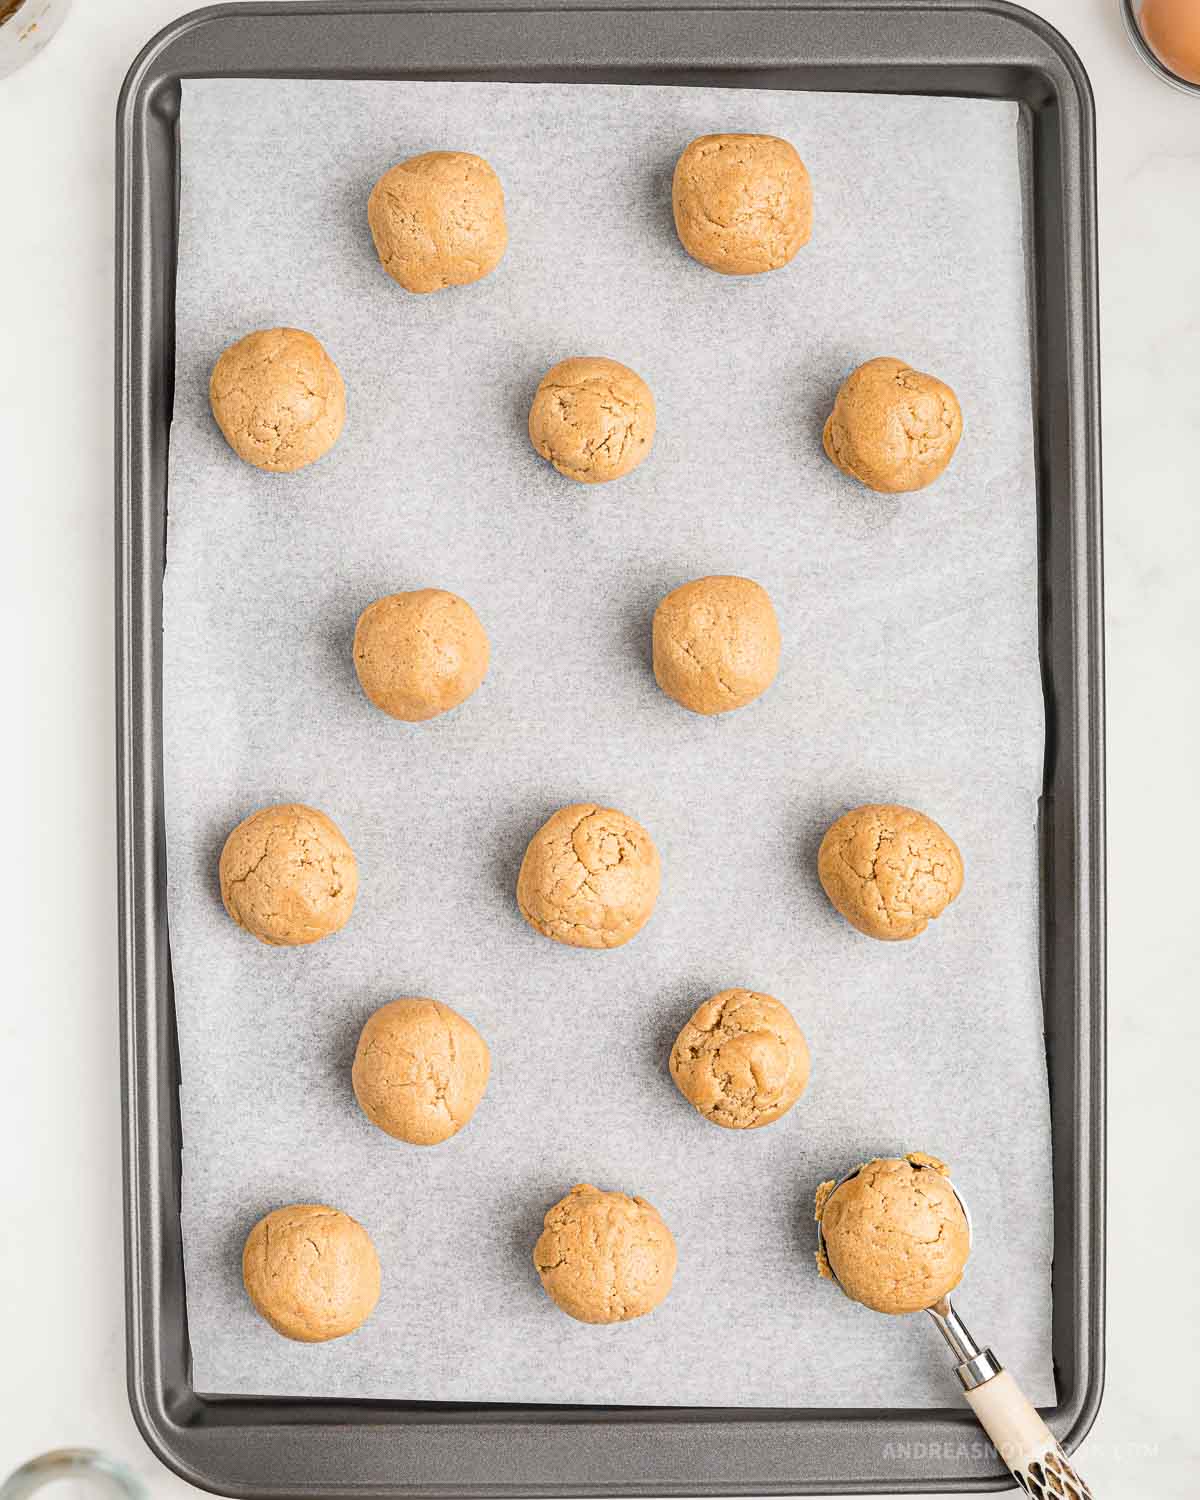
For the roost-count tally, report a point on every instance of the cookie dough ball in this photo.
(288, 875)
(743, 203)
(311, 1272)
(605, 1257)
(741, 1060)
(893, 428)
(590, 877)
(895, 1235)
(716, 644)
(278, 398)
(889, 869)
(438, 220)
(420, 1070)
(420, 654)
(593, 419)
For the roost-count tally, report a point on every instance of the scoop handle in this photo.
(1024, 1441)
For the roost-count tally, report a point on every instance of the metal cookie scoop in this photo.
(1019, 1435)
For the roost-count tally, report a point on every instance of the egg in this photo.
(1172, 29)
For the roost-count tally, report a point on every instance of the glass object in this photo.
(1166, 34)
(73, 1474)
(25, 28)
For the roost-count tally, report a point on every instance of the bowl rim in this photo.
(1149, 56)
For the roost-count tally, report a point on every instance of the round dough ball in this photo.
(311, 1272)
(420, 1070)
(438, 220)
(743, 203)
(278, 398)
(716, 644)
(593, 419)
(896, 1237)
(590, 877)
(288, 875)
(889, 869)
(421, 654)
(741, 1060)
(893, 428)
(605, 1257)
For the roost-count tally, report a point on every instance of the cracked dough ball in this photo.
(889, 869)
(743, 203)
(420, 654)
(741, 1060)
(590, 877)
(288, 875)
(893, 428)
(438, 220)
(593, 419)
(896, 1237)
(605, 1257)
(311, 1272)
(716, 644)
(278, 398)
(420, 1070)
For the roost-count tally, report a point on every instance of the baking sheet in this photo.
(910, 674)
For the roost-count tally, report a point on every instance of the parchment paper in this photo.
(910, 674)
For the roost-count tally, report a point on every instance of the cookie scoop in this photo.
(895, 1234)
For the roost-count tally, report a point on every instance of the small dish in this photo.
(25, 28)
(80, 1472)
(1131, 10)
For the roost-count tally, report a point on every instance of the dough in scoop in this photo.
(896, 1237)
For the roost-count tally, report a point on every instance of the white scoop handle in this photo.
(1021, 1439)
(1024, 1442)
(1018, 1434)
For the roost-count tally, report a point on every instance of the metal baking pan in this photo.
(984, 48)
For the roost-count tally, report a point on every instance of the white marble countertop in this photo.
(62, 1367)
